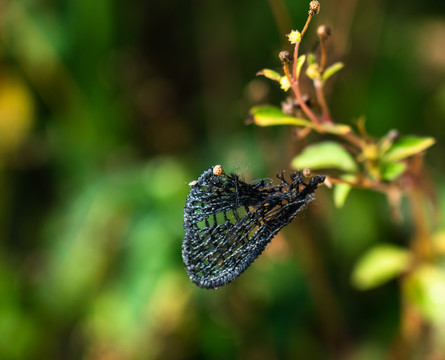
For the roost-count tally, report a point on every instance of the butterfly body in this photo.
(228, 222)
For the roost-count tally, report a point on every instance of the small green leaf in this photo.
(331, 70)
(379, 265)
(311, 59)
(341, 191)
(392, 171)
(325, 155)
(407, 146)
(270, 74)
(300, 62)
(271, 116)
(386, 141)
(425, 289)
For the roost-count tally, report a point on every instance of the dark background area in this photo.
(108, 109)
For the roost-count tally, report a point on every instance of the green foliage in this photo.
(273, 116)
(325, 155)
(340, 194)
(300, 62)
(425, 289)
(267, 115)
(379, 265)
(311, 60)
(407, 146)
(391, 171)
(341, 191)
(126, 224)
(270, 74)
(331, 70)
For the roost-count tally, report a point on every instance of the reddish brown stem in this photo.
(364, 184)
(318, 84)
(421, 243)
(323, 55)
(296, 88)
(309, 18)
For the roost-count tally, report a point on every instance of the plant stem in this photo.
(295, 83)
(287, 73)
(413, 323)
(318, 84)
(364, 184)
(309, 18)
(323, 55)
(421, 244)
(354, 140)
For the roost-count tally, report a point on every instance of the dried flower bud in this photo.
(285, 57)
(218, 170)
(314, 8)
(323, 32)
(307, 172)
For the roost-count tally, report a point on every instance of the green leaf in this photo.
(392, 171)
(331, 70)
(425, 289)
(341, 191)
(407, 146)
(311, 59)
(270, 116)
(300, 62)
(379, 265)
(270, 74)
(325, 155)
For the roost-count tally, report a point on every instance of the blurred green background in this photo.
(109, 108)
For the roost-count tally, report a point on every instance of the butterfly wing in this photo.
(228, 223)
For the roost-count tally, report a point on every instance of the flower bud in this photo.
(285, 83)
(314, 8)
(313, 72)
(294, 36)
(285, 57)
(323, 32)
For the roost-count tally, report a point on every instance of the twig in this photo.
(309, 18)
(364, 184)
(318, 84)
(296, 88)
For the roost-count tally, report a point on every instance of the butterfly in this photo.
(229, 222)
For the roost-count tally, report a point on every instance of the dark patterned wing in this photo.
(228, 222)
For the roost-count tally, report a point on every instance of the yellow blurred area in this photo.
(17, 113)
